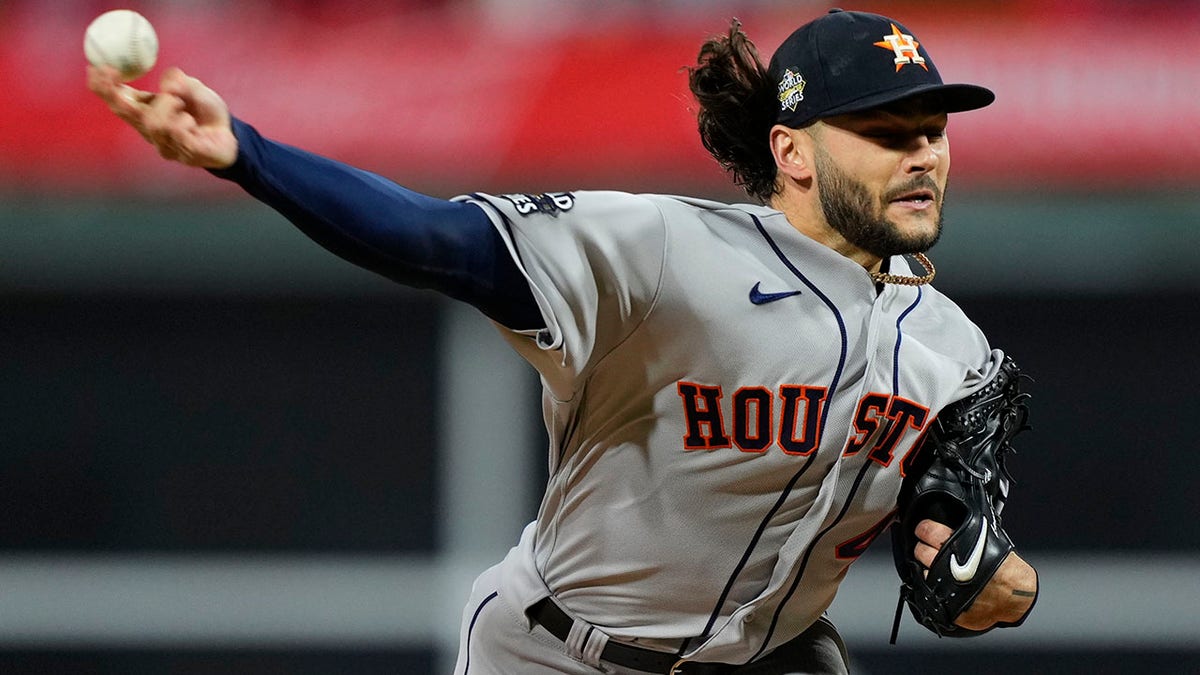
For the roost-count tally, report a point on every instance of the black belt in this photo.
(553, 619)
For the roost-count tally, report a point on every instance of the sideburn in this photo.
(850, 209)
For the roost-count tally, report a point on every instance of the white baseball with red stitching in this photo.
(123, 39)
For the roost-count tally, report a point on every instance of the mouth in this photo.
(915, 199)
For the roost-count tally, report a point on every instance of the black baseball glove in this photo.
(958, 478)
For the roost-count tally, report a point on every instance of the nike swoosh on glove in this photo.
(959, 478)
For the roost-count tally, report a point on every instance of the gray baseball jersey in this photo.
(729, 405)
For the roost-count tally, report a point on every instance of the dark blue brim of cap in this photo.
(952, 98)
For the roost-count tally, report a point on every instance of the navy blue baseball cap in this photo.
(848, 62)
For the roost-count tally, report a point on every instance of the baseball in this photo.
(123, 39)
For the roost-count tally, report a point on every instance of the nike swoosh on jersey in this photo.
(760, 298)
(966, 572)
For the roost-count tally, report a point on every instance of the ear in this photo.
(793, 152)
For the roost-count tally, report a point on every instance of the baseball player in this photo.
(730, 390)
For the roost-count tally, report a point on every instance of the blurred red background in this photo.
(549, 95)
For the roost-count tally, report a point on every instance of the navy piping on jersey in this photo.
(900, 338)
(471, 628)
(833, 386)
(862, 472)
(808, 555)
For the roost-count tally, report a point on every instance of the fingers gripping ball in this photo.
(123, 39)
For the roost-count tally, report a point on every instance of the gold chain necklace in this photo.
(885, 278)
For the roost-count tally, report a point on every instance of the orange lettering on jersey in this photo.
(702, 411)
(882, 421)
(915, 454)
(867, 421)
(800, 432)
(752, 419)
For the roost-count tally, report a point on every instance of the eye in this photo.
(879, 131)
(881, 134)
(889, 138)
(936, 128)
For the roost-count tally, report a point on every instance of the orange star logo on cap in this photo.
(905, 48)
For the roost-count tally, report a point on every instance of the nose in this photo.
(923, 156)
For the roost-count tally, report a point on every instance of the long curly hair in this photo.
(732, 87)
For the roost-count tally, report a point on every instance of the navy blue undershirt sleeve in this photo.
(411, 238)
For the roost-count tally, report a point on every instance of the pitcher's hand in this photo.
(185, 120)
(1009, 594)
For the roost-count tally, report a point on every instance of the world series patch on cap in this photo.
(848, 62)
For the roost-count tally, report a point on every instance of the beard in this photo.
(850, 209)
